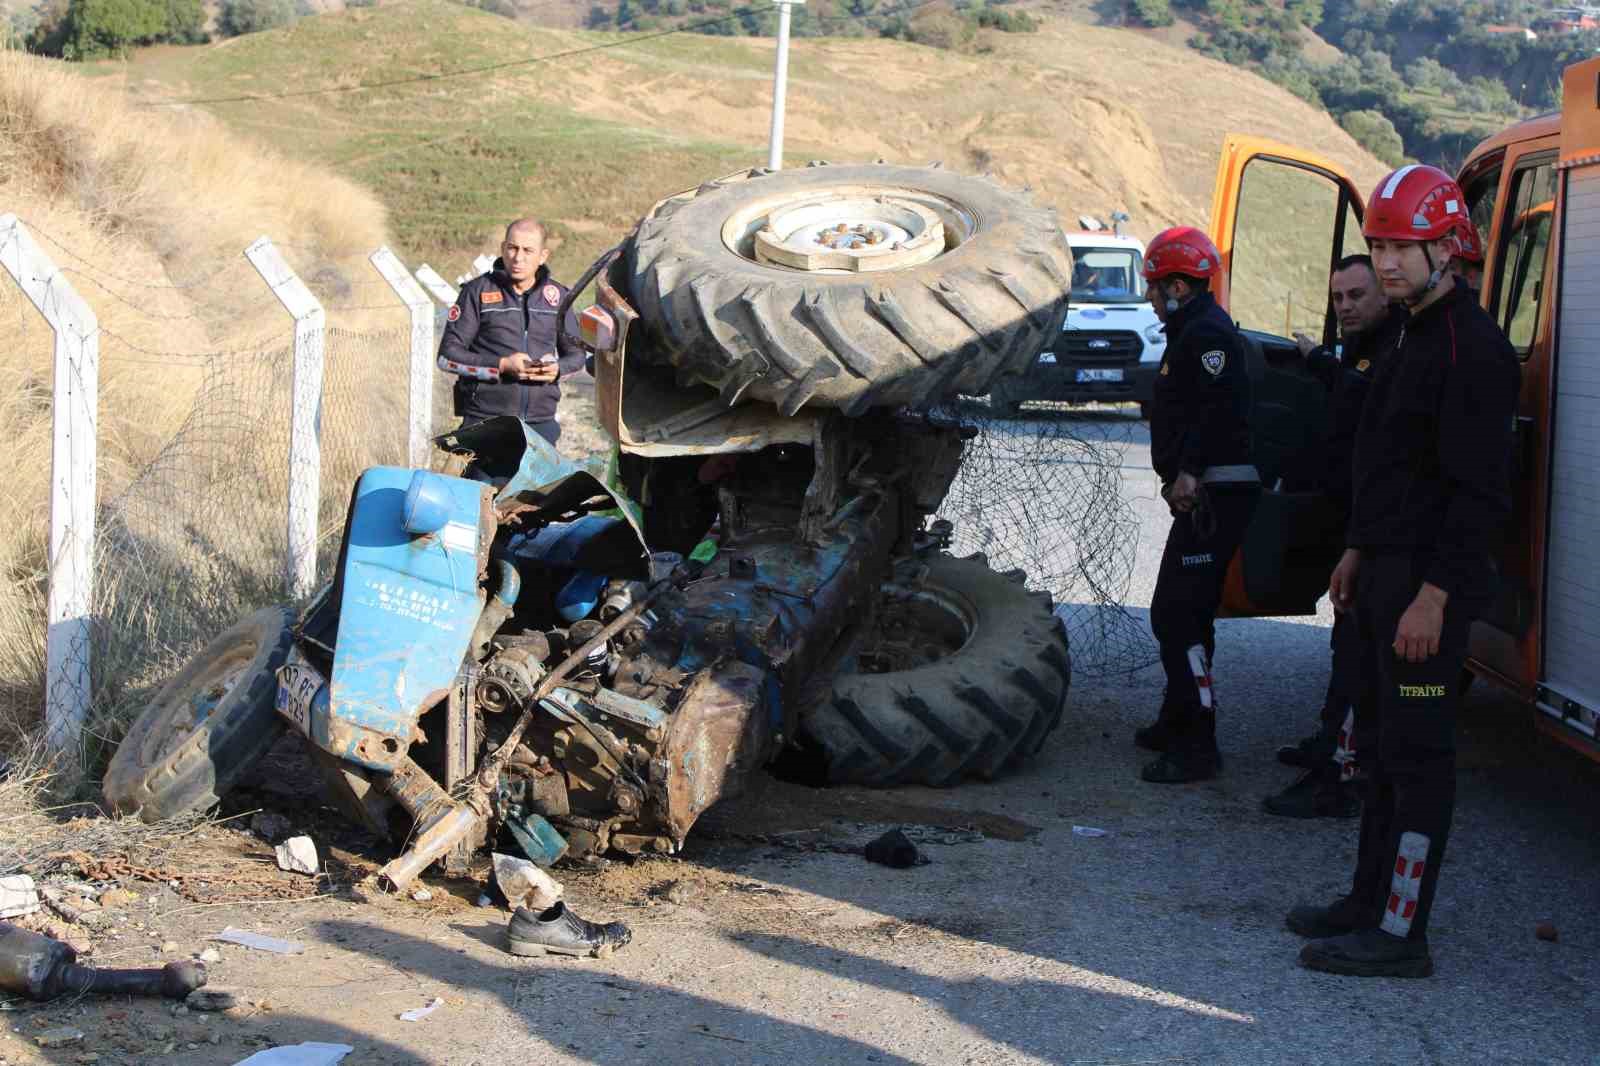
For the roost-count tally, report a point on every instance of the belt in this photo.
(1235, 473)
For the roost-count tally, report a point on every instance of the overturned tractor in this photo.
(586, 662)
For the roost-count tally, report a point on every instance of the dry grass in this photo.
(147, 213)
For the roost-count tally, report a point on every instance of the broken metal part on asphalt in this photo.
(42, 969)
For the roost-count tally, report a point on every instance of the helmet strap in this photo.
(1435, 275)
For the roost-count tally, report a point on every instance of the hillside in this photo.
(1066, 110)
(147, 214)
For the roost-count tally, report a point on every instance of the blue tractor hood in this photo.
(410, 584)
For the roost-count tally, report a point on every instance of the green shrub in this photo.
(237, 17)
(1373, 131)
(1153, 12)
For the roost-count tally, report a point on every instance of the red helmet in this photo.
(1415, 203)
(1468, 244)
(1181, 250)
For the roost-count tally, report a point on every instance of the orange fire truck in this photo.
(1534, 192)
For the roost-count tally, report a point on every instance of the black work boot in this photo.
(1341, 916)
(1318, 794)
(558, 931)
(1369, 953)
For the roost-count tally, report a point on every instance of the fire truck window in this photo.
(1282, 247)
(1482, 195)
(1519, 288)
(1354, 242)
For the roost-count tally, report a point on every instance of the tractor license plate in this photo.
(298, 685)
(1100, 373)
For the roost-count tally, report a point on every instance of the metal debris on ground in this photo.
(1089, 831)
(246, 939)
(61, 1036)
(894, 849)
(210, 1000)
(216, 880)
(41, 969)
(416, 1014)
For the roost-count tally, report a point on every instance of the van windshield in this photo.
(1107, 276)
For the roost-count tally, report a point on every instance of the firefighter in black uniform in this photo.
(1200, 448)
(1368, 326)
(1432, 482)
(502, 339)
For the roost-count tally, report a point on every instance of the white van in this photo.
(1111, 343)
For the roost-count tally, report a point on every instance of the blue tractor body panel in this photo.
(407, 611)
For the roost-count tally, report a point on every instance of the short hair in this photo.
(533, 225)
(1197, 284)
(1359, 259)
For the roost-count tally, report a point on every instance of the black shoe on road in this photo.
(1318, 794)
(1368, 953)
(558, 931)
(1181, 767)
(1336, 919)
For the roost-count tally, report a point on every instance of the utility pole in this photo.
(780, 84)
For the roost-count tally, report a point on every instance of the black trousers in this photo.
(1335, 744)
(1183, 610)
(1406, 734)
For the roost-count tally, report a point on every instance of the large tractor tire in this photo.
(742, 285)
(206, 727)
(965, 673)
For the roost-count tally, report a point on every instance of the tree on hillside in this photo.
(1153, 12)
(1374, 132)
(236, 17)
(94, 29)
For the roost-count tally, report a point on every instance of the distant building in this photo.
(1559, 22)
(1511, 31)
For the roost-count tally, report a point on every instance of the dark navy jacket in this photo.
(1200, 408)
(1348, 378)
(1433, 454)
(488, 321)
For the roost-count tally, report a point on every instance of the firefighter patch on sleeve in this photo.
(552, 295)
(489, 296)
(1364, 366)
(1213, 362)
(455, 312)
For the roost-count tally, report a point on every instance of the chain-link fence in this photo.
(1041, 490)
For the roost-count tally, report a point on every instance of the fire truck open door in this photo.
(1281, 217)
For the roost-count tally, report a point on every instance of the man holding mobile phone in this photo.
(503, 341)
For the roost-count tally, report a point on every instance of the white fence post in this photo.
(421, 308)
(305, 424)
(481, 265)
(72, 480)
(439, 288)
